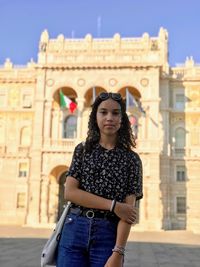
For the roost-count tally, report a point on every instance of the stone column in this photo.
(55, 123)
(44, 200)
(79, 120)
(35, 167)
(47, 119)
(61, 123)
(34, 182)
(53, 202)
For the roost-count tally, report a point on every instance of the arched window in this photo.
(70, 127)
(25, 136)
(180, 138)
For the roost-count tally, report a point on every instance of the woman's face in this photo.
(109, 117)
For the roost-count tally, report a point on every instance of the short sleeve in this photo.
(76, 164)
(135, 179)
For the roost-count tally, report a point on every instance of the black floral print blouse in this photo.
(114, 173)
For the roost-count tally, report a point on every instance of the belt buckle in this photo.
(90, 214)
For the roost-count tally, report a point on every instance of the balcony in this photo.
(59, 145)
(185, 152)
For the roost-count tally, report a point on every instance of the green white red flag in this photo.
(66, 102)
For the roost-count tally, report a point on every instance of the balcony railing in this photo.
(62, 145)
(185, 152)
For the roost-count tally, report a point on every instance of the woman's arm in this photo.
(80, 197)
(123, 231)
(83, 198)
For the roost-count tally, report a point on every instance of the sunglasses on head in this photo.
(114, 96)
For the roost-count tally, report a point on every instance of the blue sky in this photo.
(22, 22)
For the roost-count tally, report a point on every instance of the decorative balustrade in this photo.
(153, 146)
(62, 145)
(67, 145)
(185, 152)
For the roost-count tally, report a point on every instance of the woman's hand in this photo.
(126, 212)
(115, 260)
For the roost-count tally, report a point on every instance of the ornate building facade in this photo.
(37, 136)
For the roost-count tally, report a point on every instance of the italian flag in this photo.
(66, 102)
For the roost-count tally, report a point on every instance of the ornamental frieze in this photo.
(193, 119)
(193, 97)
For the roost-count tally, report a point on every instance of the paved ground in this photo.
(21, 247)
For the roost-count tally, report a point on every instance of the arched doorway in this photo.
(56, 192)
(61, 200)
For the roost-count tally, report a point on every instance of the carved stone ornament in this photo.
(50, 82)
(176, 118)
(154, 45)
(43, 47)
(112, 82)
(144, 82)
(194, 120)
(81, 82)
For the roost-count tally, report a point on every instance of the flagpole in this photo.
(93, 94)
(127, 99)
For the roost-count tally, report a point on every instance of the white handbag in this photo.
(49, 252)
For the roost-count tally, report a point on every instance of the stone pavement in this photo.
(21, 247)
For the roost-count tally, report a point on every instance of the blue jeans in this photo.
(86, 242)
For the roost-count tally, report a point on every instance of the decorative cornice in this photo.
(15, 80)
(99, 66)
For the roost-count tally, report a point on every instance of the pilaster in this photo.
(79, 120)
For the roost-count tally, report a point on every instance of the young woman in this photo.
(103, 183)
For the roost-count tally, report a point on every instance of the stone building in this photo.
(37, 136)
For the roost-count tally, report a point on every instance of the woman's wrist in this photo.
(116, 207)
(117, 255)
(113, 204)
(119, 250)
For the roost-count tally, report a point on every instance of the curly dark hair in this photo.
(125, 137)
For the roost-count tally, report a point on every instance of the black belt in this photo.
(91, 213)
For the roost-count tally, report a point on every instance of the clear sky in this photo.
(22, 22)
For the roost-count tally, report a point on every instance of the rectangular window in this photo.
(180, 173)
(23, 169)
(181, 205)
(180, 101)
(21, 200)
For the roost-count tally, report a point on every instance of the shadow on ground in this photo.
(25, 252)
